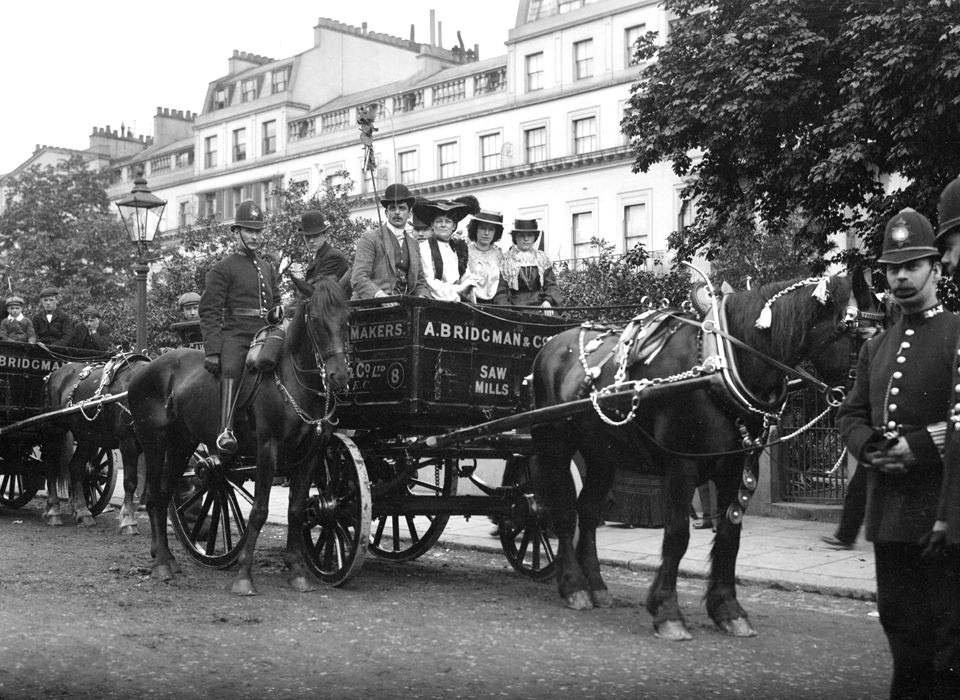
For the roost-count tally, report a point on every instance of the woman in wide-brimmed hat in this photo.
(444, 257)
(527, 274)
(484, 230)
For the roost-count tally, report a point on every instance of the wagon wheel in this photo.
(18, 483)
(99, 480)
(209, 511)
(526, 540)
(406, 537)
(337, 518)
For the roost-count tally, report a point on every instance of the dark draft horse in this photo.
(95, 427)
(668, 432)
(174, 402)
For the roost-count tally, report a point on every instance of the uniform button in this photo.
(957, 388)
(892, 424)
(909, 331)
(904, 344)
(901, 359)
(892, 407)
(894, 391)
(898, 374)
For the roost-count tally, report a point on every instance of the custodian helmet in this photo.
(908, 236)
(249, 215)
(948, 211)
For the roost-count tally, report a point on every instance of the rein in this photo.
(320, 355)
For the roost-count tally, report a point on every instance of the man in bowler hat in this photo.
(326, 260)
(387, 261)
(894, 423)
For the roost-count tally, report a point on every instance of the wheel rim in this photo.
(99, 480)
(209, 510)
(336, 526)
(405, 537)
(527, 544)
(17, 488)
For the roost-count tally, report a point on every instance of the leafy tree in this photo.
(610, 280)
(788, 108)
(59, 229)
(182, 268)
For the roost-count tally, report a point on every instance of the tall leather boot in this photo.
(226, 440)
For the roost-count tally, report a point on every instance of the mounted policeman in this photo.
(241, 295)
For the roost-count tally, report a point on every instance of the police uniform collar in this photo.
(935, 310)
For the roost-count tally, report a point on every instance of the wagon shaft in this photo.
(50, 415)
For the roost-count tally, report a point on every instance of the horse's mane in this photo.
(792, 315)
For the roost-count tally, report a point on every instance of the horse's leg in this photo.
(84, 452)
(267, 450)
(662, 603)
(550, 470)
(130, 453)
(299, 578)
(722, 604)
(54, 455)
(156, 498)
(598, 481)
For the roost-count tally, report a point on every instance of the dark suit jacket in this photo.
(57, 331)
(328, 262)
(375, 265)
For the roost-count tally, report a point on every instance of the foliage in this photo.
(788, 108)
(183, 268)
(760, 256)
(612, 280)
(59, 230)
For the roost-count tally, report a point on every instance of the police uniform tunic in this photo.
(238, 292)
(903, 386)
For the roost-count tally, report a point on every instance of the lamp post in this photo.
(141, 212)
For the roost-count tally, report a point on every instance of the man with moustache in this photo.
(387, 260)
(894, 424)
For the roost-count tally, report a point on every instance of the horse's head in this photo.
(849, 315)
(327, 316)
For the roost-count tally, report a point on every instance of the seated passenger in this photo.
(484, 255)
(445, 257)
(16, 326)
(387, 260)
(92, 334)
(527, 277)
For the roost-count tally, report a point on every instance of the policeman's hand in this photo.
(934, 543)
(211, 363)
(275, 315)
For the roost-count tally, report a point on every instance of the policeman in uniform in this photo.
(241, 295)
(894, 423)
(948, 240)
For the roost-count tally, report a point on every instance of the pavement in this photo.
(780, 552)
(774, 552)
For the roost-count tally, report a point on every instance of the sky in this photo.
(72, 65)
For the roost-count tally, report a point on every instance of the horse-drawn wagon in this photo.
(25, 415)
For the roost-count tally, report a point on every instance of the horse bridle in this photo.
(321, 355)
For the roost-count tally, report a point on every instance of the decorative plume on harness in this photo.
(820, 293)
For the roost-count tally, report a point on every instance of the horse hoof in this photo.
(129, 530)
(579, 601)
(601, 598)
(161, 572)
(243, 586)
(301, 584)
(86, 521)
(672, 631)
(740, 627)
(54, 520)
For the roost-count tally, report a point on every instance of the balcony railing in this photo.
(491, 81)
(332, 121)
(408, 102)
(451, 91)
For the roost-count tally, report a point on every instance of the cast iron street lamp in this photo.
(141, 212)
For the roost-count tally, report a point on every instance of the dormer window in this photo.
(220, 99)
(278, 80)
(248, 90)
